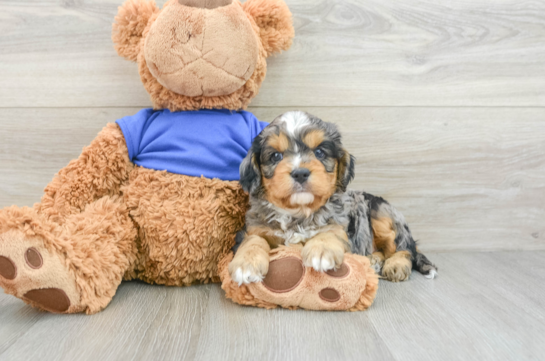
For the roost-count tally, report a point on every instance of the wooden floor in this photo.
(484, 306)
(443, 104)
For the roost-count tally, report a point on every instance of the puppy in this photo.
(296, 173)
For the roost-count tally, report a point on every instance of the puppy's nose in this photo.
(300, 175)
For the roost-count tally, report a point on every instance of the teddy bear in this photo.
(155, 196)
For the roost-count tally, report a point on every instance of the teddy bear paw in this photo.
(36, 275)
(289, 284)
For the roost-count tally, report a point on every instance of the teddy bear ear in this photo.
(131, 20)
(274, 20)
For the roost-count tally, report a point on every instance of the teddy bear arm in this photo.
(101, 169)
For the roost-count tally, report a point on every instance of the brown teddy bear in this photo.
(155, 196)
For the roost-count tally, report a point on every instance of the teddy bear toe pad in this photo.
(50, 299)
(34, 274)
(8, 270)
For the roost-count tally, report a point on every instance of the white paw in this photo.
(321, 256)
(323, 263)
(433, 274)
(246, 275)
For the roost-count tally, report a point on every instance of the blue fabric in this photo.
(210, 143)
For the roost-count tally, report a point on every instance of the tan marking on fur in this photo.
(397, 268)
(274, 241)
(267, 233)
(336, 230)
(279, 142)
(384, 236)
(314, 138)
(342, 166)
(278, 188)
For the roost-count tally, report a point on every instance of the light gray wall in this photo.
(441, 102)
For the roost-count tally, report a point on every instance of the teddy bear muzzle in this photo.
(209, 50)
(205, 4)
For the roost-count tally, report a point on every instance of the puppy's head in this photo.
(297, 163)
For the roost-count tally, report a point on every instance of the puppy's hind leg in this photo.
(392, 236)
(397, 264)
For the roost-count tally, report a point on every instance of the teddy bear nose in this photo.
(205, 4)
(300, 175)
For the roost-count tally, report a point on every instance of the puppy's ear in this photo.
(250, 171)
(131, 20)
(273, 17)
(345, 170)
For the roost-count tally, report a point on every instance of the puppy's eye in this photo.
(276, 157)
(320, 154)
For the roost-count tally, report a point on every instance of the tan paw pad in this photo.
(284, 274)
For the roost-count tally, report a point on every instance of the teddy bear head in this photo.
(196, 54)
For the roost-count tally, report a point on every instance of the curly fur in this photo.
(129, 25)
(274, 22)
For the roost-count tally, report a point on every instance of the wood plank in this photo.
(465, 178)
(461, 315)
(486, 306)
(143, 322)
(233, 332)
(346, 53)
(16, 319)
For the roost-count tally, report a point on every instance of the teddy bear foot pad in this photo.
(32, 273)
(291, 285)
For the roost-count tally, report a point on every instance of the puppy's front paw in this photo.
(322, 256)
(249, 265)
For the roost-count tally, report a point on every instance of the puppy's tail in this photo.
(422, 264)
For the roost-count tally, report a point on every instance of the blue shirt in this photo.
(210, 143)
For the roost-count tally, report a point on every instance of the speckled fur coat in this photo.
(102, 219)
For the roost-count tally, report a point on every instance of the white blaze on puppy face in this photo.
(296, 162)
(302, 198)
(295, 121)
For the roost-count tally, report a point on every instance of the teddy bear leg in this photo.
(72, 268)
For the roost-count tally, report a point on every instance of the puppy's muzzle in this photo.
(300, 175)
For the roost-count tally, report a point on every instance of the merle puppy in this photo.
(296, 173)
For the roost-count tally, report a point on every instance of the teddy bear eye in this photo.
(276, 157)
(320, 154)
